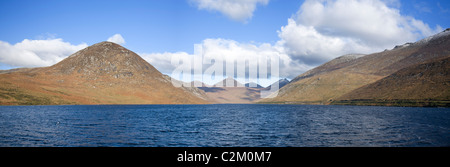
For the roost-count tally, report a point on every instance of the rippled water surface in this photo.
(223, 125)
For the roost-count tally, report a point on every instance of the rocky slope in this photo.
(418, 85)
(104, 73)
(328, 82)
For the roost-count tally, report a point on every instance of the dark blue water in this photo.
(223, 125)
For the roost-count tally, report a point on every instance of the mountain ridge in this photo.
(331, 80)
(412, 74)
(424, 84)
(104, 73)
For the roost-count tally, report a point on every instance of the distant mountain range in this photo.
(413, 74)
(230, 90)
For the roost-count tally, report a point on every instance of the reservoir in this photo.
(223, 125)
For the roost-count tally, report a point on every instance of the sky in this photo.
(301, 33)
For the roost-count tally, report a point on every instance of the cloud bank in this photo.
(226, 50)
(238, 10)
(42, 52)
(36, 53)
(318, 32)
(324, 29)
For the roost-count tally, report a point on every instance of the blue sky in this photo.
(166, 27)
(159, 26)
(147, 26)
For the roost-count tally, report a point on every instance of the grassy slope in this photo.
(104, 73)
(325, 83)
(20, 89)
(321, 89)
(328, 82)
(420, 85)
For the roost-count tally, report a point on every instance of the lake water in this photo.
(223, 125)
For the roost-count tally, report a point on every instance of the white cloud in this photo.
(320, 31)
(162, 61)
(325, 29)
(239, 10)
(117, 38)
(307, 44)
(233, 51)
(36, 53)
(224, 50)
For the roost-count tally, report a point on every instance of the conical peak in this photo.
(104, 47)
(108, 44)
(104, 58)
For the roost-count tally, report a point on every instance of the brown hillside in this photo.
(424, 84)
(104, 73)
(342, 75)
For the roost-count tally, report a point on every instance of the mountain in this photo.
(419, 85)
(328, 82)
(104, 73)
(238, 93)
(332, 65)
(323, 83)
(231, 91)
